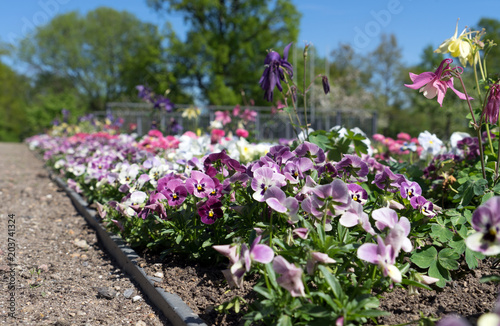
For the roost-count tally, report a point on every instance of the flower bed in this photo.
(327, 228)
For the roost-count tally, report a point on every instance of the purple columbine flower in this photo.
(326, 84)
(423, 205)
(200, 184)
(210, 211)
(493, 104)
(263, 179)
(410, 189)
(275, 71)
(486, 221)
(382, 255)
(291, 276)
(163, 103)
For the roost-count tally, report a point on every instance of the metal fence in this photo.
(267, 125)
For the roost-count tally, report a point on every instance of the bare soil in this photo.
(61, 282)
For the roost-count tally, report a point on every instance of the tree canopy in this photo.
(223, 52)
(104, 54)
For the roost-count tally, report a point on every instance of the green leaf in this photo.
(424, 258)
(448, 258)
(437, 271)
(332, 281)
(441, 233)
(490, 278)
(472, 258)
(415, 283)
(285, 320)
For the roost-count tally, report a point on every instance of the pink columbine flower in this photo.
(436, 83)
(291, 276)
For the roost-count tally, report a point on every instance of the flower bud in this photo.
(326, 85)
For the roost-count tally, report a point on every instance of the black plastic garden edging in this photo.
(171, 305)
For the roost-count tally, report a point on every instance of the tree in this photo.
(224, 49)
(104, 54)
(12, 104)
(492, 29)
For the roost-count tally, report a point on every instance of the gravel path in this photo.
(62, 276)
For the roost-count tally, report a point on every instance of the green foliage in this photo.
(104, 54)
(12, 105)
(222, 54)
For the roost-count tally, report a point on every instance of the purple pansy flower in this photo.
(399, 228)
(358, 193)
(423, 205)
(410, 189)
(318, 257)
(210, 210)
(382, 255)
(310, 150)
(486, 221)
(263, 179)
(386, 179)
(175, 192)
(291, 276)
(353, 167)
(277, 200)
(200, 184)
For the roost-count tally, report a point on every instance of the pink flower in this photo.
(155, 133)
(241, 133)
(217, 135)
(223, 116)
(236, 110)
(249, 115)
(378, 137)
(404, 136)
(436, 83)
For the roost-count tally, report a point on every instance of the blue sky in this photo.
(325, 23)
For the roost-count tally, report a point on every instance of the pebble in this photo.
(158, 274)
(107, 293)
(81, 244)
(128, 293)
(136, 298)
(140, 323)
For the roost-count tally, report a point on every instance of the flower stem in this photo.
(476, 127)
(305, 98)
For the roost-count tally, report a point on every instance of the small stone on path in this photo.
(107, 293)
(128, 293)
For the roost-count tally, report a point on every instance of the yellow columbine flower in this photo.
(191, 113)
(460, 47)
